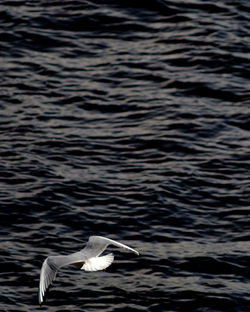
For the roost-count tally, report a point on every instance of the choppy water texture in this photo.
(128, 119)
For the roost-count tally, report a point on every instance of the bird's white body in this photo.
(87, 259)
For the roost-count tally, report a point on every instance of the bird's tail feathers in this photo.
(98, 263)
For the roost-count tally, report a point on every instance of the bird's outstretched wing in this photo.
(47, 276)
(97, 244)
(50, 267)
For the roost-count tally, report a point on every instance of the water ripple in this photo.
(129, 120)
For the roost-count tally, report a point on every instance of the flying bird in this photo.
(86, 259)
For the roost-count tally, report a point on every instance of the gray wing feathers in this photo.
(47, 276)
(101, 244)
(50, 267)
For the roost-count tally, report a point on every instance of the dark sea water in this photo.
(131, 120)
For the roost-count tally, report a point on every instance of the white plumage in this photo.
(87, 259)
(98, 263)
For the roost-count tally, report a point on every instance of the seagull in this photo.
(86, 259)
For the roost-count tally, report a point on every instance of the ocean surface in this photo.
(131, 120)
